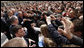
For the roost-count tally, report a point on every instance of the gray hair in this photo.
(9, 11)
(13, 18)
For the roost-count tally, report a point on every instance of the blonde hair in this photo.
(44, 31)
(16, 42)
(47, 38)
(71, 45)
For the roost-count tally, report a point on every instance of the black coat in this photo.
(20, 20)
(31, 32)
(5, 28)
(56, 23)
(56, 36)
(3, 25)
(77, 41)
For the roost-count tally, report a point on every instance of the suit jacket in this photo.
(31, 32)
(3, 25)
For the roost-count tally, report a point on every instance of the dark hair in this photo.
(78, 25)
(16, 28)
(40, 23)
(44, 14)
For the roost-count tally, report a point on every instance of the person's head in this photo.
(80, 12)
(18, 31)
(25, 14)
(44, 30)
(13, 10)
(20, 14)
(36, 17)
(40, 23)
(78, 27)
(72, 14)
(15, 42)
(47, 38)
(33, 24)
(49, 43)
(14, 20)
(9, 12)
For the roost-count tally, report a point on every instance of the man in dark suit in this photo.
(13, 22)
(19, 32)
(5, 26)
(31, 32)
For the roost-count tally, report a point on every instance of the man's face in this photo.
(21, 32)
(16, 21)
(10, 13)
(20, 14)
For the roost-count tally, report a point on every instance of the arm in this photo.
(36, 29)
(66, 32)
(54, 34)
(72, 38)
(76, 40)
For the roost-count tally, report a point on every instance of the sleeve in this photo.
(36, 29)
(58, 22)
(54, 24)
(77, 41)
(56, 36)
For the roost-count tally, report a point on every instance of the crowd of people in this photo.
(43, 24)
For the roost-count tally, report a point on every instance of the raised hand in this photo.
(67, 24)
(53, 17)
(48, 20)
